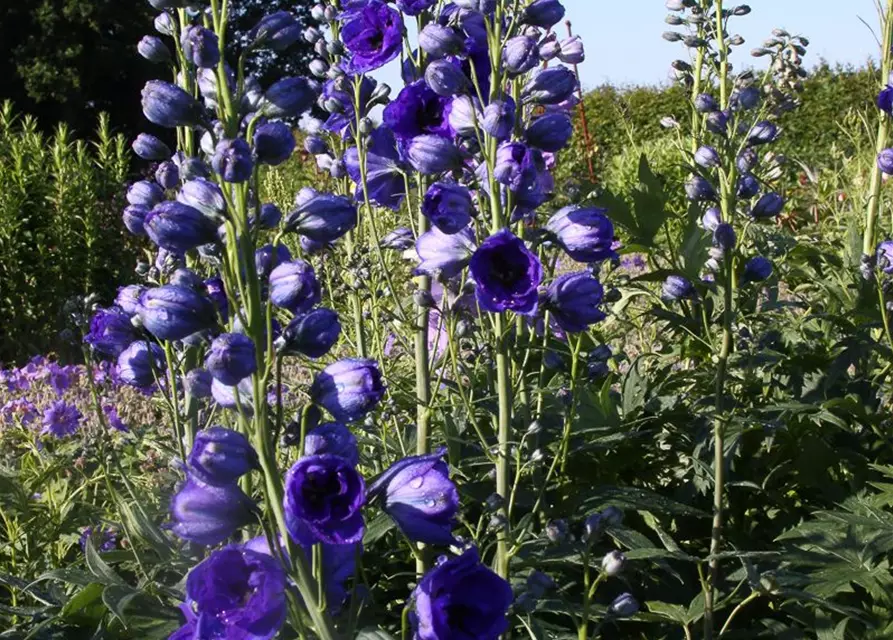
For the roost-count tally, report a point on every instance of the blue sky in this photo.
(624, 45)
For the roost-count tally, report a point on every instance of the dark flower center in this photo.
(319, 488)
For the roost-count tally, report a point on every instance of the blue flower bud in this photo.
(293, 286)
(677, 288)
(184, 277)
(544, 13)
(267, 258)
(572, 51)
(221, 456)
(724, 236)
(273, 143)
(164, 24)
(430, 154)
(585, 233)
(748, 186)
(757, 269)
(145, 194)
(134, 219)
(314, 145)
(520, 55)
(711, 219)
(154, 50)
(717, 122)
(276, 31)
(699, 189)
(323, 217)
(746, 99)
(148, 147)
(335, 439)
(550, 86)
(885, 161)
(747, 160)
(172, 313)
(499, 118)
(270, 215)
(445, 78)
(885, 100)
(763, 132)
(200, 47)
(574, 300)
(465, 114)
(288, 98)
(624, 606)
(884, 255)
(141, 363)
(707, 157)
(348, 389)
(208, 515)
(178, 227)
(440, 41)
(167, 105)
(231, 358)
(448, 206)
(769, 206)
(232, 160)
(705, 103)
(128, 298)
(203, 195)
(225, 396)
(444, 254)
(167, 175)
(190, 167)
(312, 334)
(551, 132)
(198, 383)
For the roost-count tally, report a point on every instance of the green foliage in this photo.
(60, 229)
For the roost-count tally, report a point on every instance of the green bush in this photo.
(60, 228)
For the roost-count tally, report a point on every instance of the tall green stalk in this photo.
(869, 238)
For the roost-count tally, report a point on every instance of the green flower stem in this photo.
(869, 239)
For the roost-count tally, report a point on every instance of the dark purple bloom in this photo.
(769, 206)
(216, 291)
(269, 257)
(324, 498)
(140, 364)
(207, 514)
(748, 186)
(313, 334)
(232, 160)
(172, 313)
(107, 538)
(20, 408)
(699, 189)
(574, 300)
(293, 286)
(763, 132)
(461, 599)
(167, 175)
(677, 288)
(221, 456)
(414, 7)
(507, 274)
(177, 227)
(544, 13)
(430, 154)
(110, 332)
(384, 177)
(198, 383)
(444, 254)
(148, 147)
(515, 166)
(448, 206)
(184, 277)
(705, 103)
(585, 233)
(348, 389)
(236, 593)
(885, 161)
(61, 378)
(550, 86)
(499, 118)
(885, 100)
(757, 269)
(373, 34)
(724, 236)
(445, 78)
(61, 419)
(200, 47)
(232, 357)
(717, 122)
(128, 298)
(417, 110)
(203, 195)
(153, 49)
(520, 55)
(134, 217)
(551, 132)
(884, 255)
(270, 215)
(746, 98)
(276, 31)
(323, 217)
(418, 494)
(440, 41)
(273, 143)
(288, 98)
(168, 105)
(145, 194)
(335, 439)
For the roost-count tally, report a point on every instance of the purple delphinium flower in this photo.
(110, 332)
(430, 154)
(225, 396)
(550, 86)
(178, 228)
(444, 254)
(418, 494)
(373, 34)
(699, 189)
(313, 334)
(748, 186)
(273, 143)
(507, 274)
(172, 313)
(332, 438)
(446, 79)
(140, 364)
(208, 515)
(288, 98)
(417, 110)
(585, 233)
(348, 389)
(61, 419)
(884, 255)
(677, 288)
(128, 298)
(769, 206)
(574, 300)
(134, 218)
(167, 175)
(757, 269)
(763, 132)
(293, 286)
(384, 177)
(885, 100)
(276, 31)
(885, 161)
(448, 206)
(200, 47)
(148, 147)
(232, 160)
(221, 456)
(461, 599)
(168, 105)
(544, 13)
(268, 257)
(324, 498)
(322, 217)
(231, 358)
(235, 593)
(550, 132)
